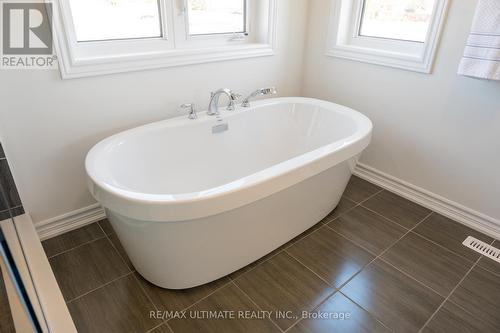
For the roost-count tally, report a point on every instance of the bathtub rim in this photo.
(188, 206)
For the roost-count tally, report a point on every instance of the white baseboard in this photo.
(443, 206)
(69, 221)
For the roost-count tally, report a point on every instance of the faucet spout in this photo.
(213, 106)
(258, 92)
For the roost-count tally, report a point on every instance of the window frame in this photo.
(247, 12)
(175, 48)
(345, 40)
(71, 28)
(185, 40)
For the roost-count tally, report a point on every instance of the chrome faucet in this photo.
(192, 110)
(259, 92)
(213, 106)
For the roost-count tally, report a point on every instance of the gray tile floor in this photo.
(377, 263)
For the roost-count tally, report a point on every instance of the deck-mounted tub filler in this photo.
(193, 200)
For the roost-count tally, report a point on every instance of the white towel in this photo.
(482, 54)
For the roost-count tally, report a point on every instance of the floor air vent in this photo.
(483, 248)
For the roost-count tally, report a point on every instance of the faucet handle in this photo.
(236, 96)
(192, 110)
(232, 101)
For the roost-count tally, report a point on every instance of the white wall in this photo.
(47, 125)
(440, 132)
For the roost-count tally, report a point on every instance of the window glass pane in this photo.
(216, 16)
(397, 19)
(115, 19)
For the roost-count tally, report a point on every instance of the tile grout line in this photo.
(389, 219)
(332, 295)
(483, 256)
(8, 208)
(444, 247)
(160, 325)
(325, 223)
(412, 229)
(367, 198)
(384, 251)
(407, 231)
(372, 261)
(95, 289)
(411, 277)
(356, 204)
(476, 265)
(76, 247)
(488, 270)
(169, 327)
(301, 239)
(201, 299)
(116, 250)
(102, 228)
(132, 271)
(460, 306)
(15, 207)
(147, 296)
(314, 309)
(3, 196)
(260, 263)
(363, 309)
(105, 284)
(133, 275)
(255, 303)
(309, 269)
(449, 295)
(338, 289)
(355, 243)
(360, 204)
(450, 250)
(154, 328)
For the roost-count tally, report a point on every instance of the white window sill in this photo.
(383, 58)
(94, 66)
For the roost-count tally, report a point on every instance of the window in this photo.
(96, 37)
(114, 19)
(396, 19)
(395, 33)
(216, 17)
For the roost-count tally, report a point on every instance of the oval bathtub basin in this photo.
(194, 200)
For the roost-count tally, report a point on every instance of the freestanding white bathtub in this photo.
(190, 205)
